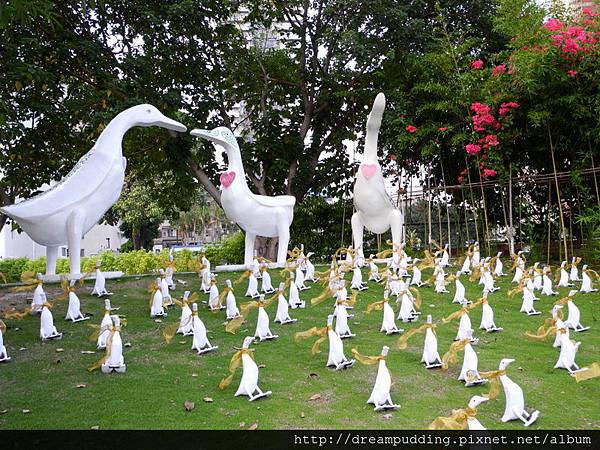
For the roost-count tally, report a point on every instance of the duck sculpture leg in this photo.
(51, 258)
(64, 213)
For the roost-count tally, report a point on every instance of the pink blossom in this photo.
(472, 149)
(506, 107)
(461, 179)
(556, 39)
(411, 128)
(577, 33)
(442, 128)
(492, 140)
(392, 157)
(489, 173)
(478, 64)
(571, 73)
(553, 24)
(589, 12)
(480, 108)
(570, 46)
(499, 69)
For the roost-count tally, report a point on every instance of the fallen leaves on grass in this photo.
(208, 400)
(188, 405)
(95, 427)
(387, 416)
(254, 426)
(313, 375)
(314, 397)
(302, 415)
(87, 352)
(26, 411)
(261, 366)
(59, 350)
(81, 385)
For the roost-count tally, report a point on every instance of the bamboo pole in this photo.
(560, 211)
(485, 216)
(548, 216)
(472, 201)
(594, 171)
(511, 235)
(466, 217)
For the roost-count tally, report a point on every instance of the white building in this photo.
(19, 245)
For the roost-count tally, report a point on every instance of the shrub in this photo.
(133, 262)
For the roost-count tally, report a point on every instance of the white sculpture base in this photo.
(56, 278)
(242, 267)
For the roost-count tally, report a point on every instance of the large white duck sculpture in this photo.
(374, 207)
(64, 213)
(257, 215)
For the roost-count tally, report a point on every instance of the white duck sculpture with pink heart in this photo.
(257, 215)
(374, 208)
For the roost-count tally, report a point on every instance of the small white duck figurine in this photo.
(100, 282)
(47, 329)
(487, 317)
(186, 326)
(267, 285)
(114, 351)
(574, 315)
(249, 382)
(200, 341)
(74, 313)
(230, 302)
(65, 212)
(283, 314)
(105, 326)
(3, 353)
(568, 352)
(380, 396)
(515, 401)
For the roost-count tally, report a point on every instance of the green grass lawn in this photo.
(161, 377)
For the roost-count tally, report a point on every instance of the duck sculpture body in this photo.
(374, 208)
(257, 215)
(64, 213)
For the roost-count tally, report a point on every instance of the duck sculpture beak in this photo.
(205, 134)
(171, 124)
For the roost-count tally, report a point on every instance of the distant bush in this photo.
(134, 262)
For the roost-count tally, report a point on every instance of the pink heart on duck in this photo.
(227, 178)
(368, 170)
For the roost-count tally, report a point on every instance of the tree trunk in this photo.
(3, 220)
(202, 177)
(136, 238)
